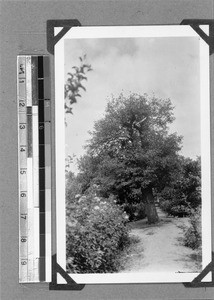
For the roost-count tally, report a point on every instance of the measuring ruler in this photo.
(34, 167)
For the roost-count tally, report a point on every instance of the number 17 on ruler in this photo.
(28, 247)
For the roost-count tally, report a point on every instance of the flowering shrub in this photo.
(97, 232)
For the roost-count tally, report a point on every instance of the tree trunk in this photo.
(151, 211)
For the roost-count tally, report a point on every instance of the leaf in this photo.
(81, 77)
(81, 86)
(78, 95)
(70, 74)
(69, 111)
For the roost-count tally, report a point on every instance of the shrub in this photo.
(73, 188)
(135, 211)
(174, 203)
(166, 206)
(192, 234)
(184, 192)
(97, 232)
(179, 210)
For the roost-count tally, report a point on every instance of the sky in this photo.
(167, 67)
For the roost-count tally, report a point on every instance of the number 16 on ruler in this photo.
(23, 195)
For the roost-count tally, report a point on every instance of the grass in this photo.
(134, 248)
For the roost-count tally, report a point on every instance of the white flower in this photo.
(72, 223)
(95, 185)
(83, 198)
(96, 207)
(97, 199)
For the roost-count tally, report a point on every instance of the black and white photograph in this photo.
(132, 154)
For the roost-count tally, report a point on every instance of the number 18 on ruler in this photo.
(33, 95)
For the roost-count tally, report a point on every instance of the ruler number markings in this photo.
(22, 126)
(22, 103)
(23, 171)
(23, 239)
(32, 90)
(24, 216)
(23, 194)
(23, 262)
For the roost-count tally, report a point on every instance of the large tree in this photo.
(131, 152)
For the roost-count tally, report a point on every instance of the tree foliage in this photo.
(184, 192)
(131, 151)
(74, 84)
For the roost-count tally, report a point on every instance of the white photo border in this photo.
(125, 32)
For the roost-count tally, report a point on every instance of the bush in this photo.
(179, 210)
(97, 232)
(135, 211)
(184, 192)
(192, 234)
(173, 202)
(165, 205)
(73, 187)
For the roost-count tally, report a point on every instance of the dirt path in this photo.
(159, 247)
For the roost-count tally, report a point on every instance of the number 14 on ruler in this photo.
(33, 248)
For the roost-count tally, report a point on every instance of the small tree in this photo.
(133, 150)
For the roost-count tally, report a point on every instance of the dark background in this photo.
(23, 28)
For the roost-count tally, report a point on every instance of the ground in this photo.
(159, 247)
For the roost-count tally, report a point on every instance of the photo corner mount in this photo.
(195, 24)
(66, 25)
(52, 40)
(70, 283)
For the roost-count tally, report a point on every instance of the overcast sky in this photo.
(165, 67)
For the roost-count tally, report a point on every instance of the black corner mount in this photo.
(52, 39)
(197, 282)
(195, 24)
(70, 283)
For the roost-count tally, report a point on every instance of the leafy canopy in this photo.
(130, 147)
